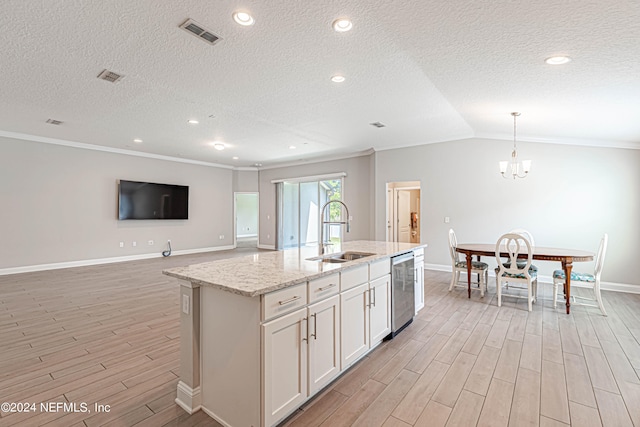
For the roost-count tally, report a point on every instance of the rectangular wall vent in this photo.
(110, 76)
(199, 31)
(54, 122)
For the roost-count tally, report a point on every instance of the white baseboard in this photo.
(188, 398)
(605, 286)
(97, 261)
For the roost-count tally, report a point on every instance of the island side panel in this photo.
(231, 349)
(188, 393)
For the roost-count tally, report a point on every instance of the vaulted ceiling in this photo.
(429, 71)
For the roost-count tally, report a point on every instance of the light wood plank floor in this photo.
(109, 335)
(466, 362)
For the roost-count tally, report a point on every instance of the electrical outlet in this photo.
(150, 242)
(268, 236)
(134, 244)
(122, 244)
(446, 220)
(222, 237)
(185, 304)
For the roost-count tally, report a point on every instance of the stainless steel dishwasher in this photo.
(402, 292)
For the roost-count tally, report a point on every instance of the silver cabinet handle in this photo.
(373, 303)
(315, 323)
(304, 319)
(287, 301)
(329, 286)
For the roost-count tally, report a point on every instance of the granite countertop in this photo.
(265, 272)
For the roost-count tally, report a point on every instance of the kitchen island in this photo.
(262, 334)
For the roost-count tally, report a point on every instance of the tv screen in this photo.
(147, 200)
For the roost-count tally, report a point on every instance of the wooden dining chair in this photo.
(591, 280)
(529, 237)
(515, 245)
(458, 266)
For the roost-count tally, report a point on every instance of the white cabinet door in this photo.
(354, 315)
(419, 290)
(284, 365)
(324, 342)
(380, 308)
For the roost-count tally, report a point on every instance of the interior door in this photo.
(404, 215)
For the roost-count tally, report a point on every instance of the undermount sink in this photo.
(342, 257)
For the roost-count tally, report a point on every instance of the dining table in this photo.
(565, 256)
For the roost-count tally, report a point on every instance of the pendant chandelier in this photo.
(513, 168)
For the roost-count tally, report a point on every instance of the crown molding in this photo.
(85, 146)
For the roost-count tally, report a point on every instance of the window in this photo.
(299, 204)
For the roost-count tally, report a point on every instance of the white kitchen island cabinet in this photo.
(301, 355)
(260, 335)
(285, 364)
(380, 308)
(324, 343)
(355, 324)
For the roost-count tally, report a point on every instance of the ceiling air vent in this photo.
(199, 31)
(54, 122)
(110, 76)
(378, 124)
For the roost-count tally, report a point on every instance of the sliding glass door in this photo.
(299, 206)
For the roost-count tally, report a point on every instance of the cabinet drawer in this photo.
(379, 268)
(283, 301)
(354, 277)
(418, 253)
(323, 287)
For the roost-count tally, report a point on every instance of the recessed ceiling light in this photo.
(235, 157)
(257, 165)
(337, 78)
(193, 122)
(218, 146)
(342, 25)
(243, 18)
(292, 147)
(557, 60)
(137, 140)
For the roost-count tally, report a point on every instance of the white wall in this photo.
(573, 195)
(245, 181)
(59, 204)
(357, 194)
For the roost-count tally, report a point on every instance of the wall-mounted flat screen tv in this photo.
(148, 200)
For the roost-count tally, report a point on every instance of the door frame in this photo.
(235, 216)
(392, 206)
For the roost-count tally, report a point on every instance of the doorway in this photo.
(246, 220)
(403, 212)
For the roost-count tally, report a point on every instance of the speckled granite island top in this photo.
(269, 271)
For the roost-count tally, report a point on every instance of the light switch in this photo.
(446, 220)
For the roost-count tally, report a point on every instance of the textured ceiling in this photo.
(431, 71)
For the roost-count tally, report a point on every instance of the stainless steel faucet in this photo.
(321, 246)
